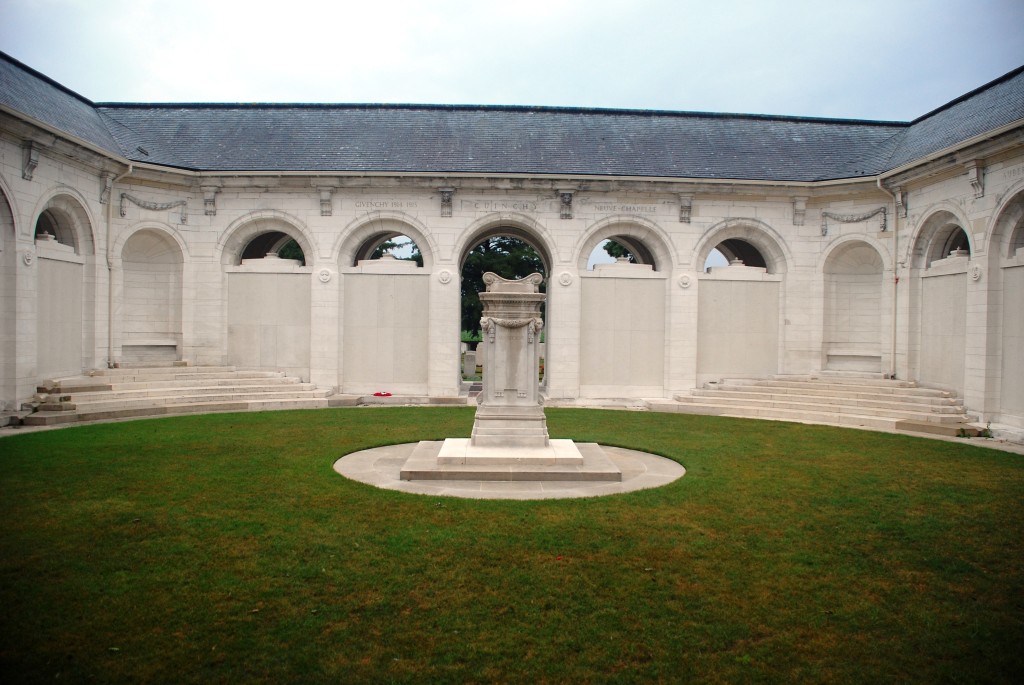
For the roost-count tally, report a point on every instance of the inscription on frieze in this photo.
(377, 205)
(1014, 172)
(614, 208)
(499, 205)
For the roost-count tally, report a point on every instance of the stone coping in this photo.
(381, 467)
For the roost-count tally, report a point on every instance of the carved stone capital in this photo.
(326, 200)
(210, 199)
(685, 207)
(901, 202)
(565, 196)
(799, 210)
(30, 160)
(446, 200)
(106, 186)
(976, 176)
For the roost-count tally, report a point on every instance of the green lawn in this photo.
(224, 548)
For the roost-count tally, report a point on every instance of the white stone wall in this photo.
(737, 324)
(268, 320)
(622, 332)
(943, 326)
(59, 311)
(348, 326)
(385, 339)
(1012, 366)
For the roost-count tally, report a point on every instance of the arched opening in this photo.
(384, 315)
(273, 245)
(735, 252)
(622, 313)
(64, 301)
(54, 225)
(8, 306)
(152, 292)
(940, 260)
(1007, 280)
(620, 248)
(509, 252)
(854, 308)
(389, 245)
(715, 259)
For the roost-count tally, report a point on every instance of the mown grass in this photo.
(224, 548)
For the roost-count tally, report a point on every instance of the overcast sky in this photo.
(891, 59)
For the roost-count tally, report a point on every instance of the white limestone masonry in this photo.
(927, 291)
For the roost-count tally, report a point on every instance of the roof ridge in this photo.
(43, 77)
(609, 111)
(966, 96)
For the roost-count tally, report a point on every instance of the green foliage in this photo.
(291, 250)
(470, 336)
(504, 255)
(390, 246)
(617, 250)
(224, 548)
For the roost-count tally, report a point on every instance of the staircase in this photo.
(832, 398)
(163, 390)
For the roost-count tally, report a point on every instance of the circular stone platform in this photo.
(380, 467)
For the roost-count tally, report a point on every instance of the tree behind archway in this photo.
(504, 255)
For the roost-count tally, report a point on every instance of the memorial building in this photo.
(243, 235)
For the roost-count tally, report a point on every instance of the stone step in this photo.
(54, 418)
(923, 403)
(839, 418)
(170, 367)
(813, 387)
(746, 406)
(188, 398)
(132, 392)
(85, 384)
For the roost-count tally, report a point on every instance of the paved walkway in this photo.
(380, 467)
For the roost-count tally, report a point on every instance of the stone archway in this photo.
(623, 312)
(65, 310)
(151, 301)
(854, 309)
(384, 309)
(8, 305)
(512, 249)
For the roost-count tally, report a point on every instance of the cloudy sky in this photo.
(875, 59)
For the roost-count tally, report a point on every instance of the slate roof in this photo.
(497, 140)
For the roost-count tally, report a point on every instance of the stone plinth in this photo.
(510, 412)
(584, 462)
(510, 433)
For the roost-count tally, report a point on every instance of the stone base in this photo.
(510, 426)
(561, 460)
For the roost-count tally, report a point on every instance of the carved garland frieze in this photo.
(154, 206)
(852, 218)
(489, 324)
